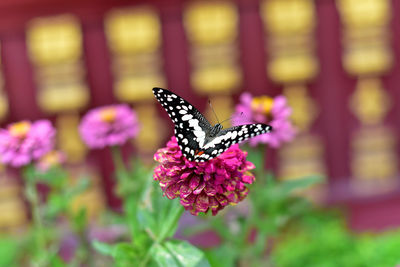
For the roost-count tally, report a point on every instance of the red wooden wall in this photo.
(331, 88)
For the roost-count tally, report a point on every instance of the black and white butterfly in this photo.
(197, 138)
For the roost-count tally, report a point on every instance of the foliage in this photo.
(270, 207)
(59, 197)
(322, 240)
(152, 220)
(273, 227)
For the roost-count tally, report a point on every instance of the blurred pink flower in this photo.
(51, 159)
(25, 141)
(264, 109)
(203, 186)
(108, 126)
(108, 234)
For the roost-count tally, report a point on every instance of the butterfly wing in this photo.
(190, 125)
(228, 137)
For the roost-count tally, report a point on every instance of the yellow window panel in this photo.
(293, 68)
(370, 102)
(304, 107)
(204, 56)
(68, 137)
(61, 73)
(364, 13)
(209, 23)
(137, 87)
(301, 158)
(135, 30)
(63, 97)
(288, 16)
(12, 213)
(304, 147)
(3, 106)
(152, 130)
(374, 161)
(138, 64)
(375, 165)
(216, 79)
(12, 207)
(3, 99)
(375, 138)
(54, 39)
(363, 58)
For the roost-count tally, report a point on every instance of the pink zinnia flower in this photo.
(264, 109)
(203, 186)
(25, 141)
(108, 126)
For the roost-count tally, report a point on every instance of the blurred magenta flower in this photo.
(264, 109)
(25, 141)
(108, 126)
(51, 159)
(203, 186)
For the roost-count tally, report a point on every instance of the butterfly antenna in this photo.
(230, 118)
(209, 102)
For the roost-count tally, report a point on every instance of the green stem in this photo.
(172, 223)
(117, 159)
(255, 249)
(85, 248)
(121, 171)
(260, 243)
(33, 199)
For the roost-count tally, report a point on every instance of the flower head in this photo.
(108, 126)
(51, 159)
(264, 109)
(203, 186)
(25, 141)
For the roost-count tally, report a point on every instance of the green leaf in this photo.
(222, 256)
(186, 254)
(103, 248)
(56, 177)
(146, 212)
(79, 187)
(170, 221)
(157, 215)
(290, 185)
(8, 251)
(59, 198)
(56, 204)
(56, 261)
(176, 253)
(125, 252)
(163, 257)
(80, 219)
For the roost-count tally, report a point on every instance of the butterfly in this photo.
(198, 140)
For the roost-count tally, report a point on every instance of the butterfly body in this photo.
(197, 138)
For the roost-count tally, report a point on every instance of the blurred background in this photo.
(337, 62)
